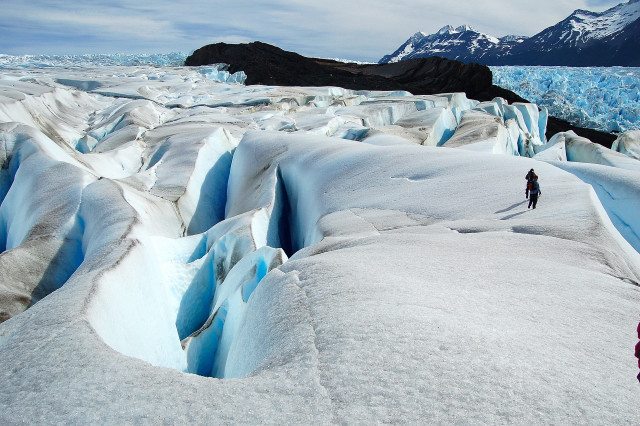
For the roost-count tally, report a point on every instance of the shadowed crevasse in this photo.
(210, 208)
(205, 331)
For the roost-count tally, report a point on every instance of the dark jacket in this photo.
(530, 176)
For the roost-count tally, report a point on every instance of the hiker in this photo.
(638, 350)
(529, 177)
(534, 192)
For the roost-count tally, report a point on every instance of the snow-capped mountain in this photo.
(583, 27)
(462, 43)
(584, 38)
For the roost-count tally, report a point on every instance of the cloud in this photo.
(358, 29)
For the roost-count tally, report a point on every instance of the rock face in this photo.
(267, 64)
(270, 65)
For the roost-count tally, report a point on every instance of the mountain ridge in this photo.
(584, 38)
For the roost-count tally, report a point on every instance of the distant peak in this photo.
(513, 37)
(463, 28)
(584, 12)
(633, 4)
(447, 29)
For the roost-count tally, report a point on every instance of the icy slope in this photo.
(222, 253)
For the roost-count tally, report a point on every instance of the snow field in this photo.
(371, 259)
(247, 233)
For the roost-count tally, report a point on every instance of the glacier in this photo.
(174, 59)
(176, 246)
(606, 99)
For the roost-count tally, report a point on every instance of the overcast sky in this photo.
(352, 29)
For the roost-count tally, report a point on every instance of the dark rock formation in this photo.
(270, 65)
(267, 64)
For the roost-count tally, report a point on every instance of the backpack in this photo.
(535, 188)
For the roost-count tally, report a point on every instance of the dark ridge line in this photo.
(270, 65)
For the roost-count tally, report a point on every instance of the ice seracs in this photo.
(600, 98)
(186, 250)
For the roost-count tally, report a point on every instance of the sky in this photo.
(349, 29)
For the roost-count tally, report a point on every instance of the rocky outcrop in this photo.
(270, 65)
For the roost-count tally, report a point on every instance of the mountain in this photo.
(584, 38)
(463, 43)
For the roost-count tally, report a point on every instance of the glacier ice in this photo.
(434, 125)
(582, 150)
(221, 328)
(628, 144)
(602, 98)
(219, 73)
(342, 256)
(479, 130)
(92, 60)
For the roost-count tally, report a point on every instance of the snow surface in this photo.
(628, 143)
(208, 252)
(602, 98)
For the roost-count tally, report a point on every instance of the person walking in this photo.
(534, 192)
(638, 350)
(529, 177)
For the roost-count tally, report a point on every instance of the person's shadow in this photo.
(513, 215)
(511, 207)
